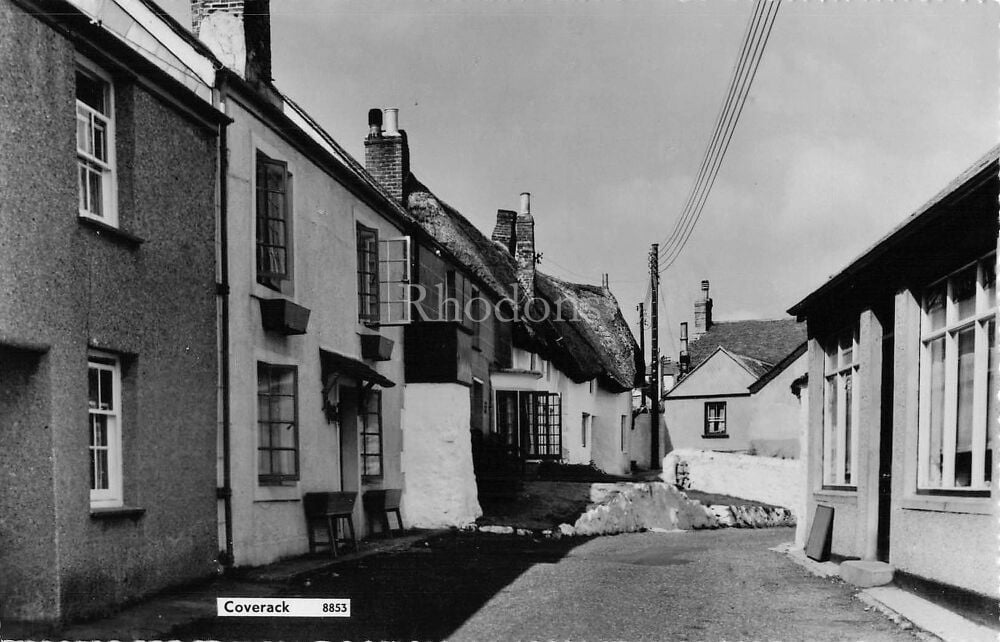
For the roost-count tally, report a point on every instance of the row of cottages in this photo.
(212, 310)
(903, 353)
(536, 365)
(740, 388)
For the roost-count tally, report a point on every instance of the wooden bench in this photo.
(379, 503)
(325, 511)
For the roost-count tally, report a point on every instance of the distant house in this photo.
(903, 377)
(737, 394)
(107, 326)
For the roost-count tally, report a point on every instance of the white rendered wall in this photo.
(781, 482)
(437, 457)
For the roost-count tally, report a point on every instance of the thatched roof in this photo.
(591, 331)
(591, 340)
(488, 261)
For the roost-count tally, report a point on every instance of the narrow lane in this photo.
(703, 585)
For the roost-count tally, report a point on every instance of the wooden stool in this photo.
(380, 503)
(326, 510)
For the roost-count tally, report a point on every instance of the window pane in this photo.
(847, 350)
(963, 291)
(92, 387)
(283, 409)
(106, 390)
(94, 191)
(283, 435)
(831, 422)
(935, 308)
(84, 141)
(264, 434)
(91, 91)
(990, 282)
(264, 462)
(100, 149)
(285, 462)
(935, 433)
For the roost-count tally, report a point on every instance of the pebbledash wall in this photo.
(68, 287)
(268, 520)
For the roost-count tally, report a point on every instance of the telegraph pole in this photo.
(654, 344)
(642, 337)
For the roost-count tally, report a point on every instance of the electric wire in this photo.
(758, 33)
(703, 197)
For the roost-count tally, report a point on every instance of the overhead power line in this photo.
(744, 72)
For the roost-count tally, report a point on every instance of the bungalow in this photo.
(736, 394)
(107, 327)
(903, 366)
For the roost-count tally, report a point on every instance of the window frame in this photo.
(713, 422)
(535, 413)
(267, 478)
(364, 430)
(108, 167)
(982, 316)
(585, 420)
(273, 279)
(840, 428)
(369, 286)
(113, 495)
(386, 283)
(624, 423)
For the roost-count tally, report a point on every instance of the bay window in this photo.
(840, 415)
(958, 383)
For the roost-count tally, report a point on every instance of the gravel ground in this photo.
(701, 585)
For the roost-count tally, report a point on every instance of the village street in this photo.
(696, 585)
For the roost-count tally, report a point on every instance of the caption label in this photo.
(282, 607)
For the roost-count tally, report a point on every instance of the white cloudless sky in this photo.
(860, 112)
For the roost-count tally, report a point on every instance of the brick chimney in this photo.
(524, 246)
(238, 32)
(702, 312)
(387, 154)
(503, 233)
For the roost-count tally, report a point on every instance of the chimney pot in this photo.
(525, 203)
(391, 122)
(374, 123)
(704, 287)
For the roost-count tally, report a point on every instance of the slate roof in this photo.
(759, 342)
(756, 367)
(592, 340)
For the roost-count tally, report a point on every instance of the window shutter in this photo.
(394, 281)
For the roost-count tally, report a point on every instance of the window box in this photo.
(283, 316)
(375, 347)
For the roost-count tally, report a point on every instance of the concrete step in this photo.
(865, 574)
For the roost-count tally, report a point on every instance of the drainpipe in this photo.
(226, 492)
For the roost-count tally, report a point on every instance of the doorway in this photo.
(885, 447)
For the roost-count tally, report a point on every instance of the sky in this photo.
(859, 113)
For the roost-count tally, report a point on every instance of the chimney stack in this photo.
(387, 153)
(703, 312)
(503, 233)
(524, 246)
(239, 33)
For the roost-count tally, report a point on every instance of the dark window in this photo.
(368, 281)
(476, 312)
(277, 423)
(273, 224)
(477, 411)
(531, 421)
(371, 435)
(715, 418)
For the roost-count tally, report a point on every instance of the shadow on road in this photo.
(422, 593)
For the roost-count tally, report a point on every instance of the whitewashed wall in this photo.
(440, 483)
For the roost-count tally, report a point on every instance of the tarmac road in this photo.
(700, 585)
